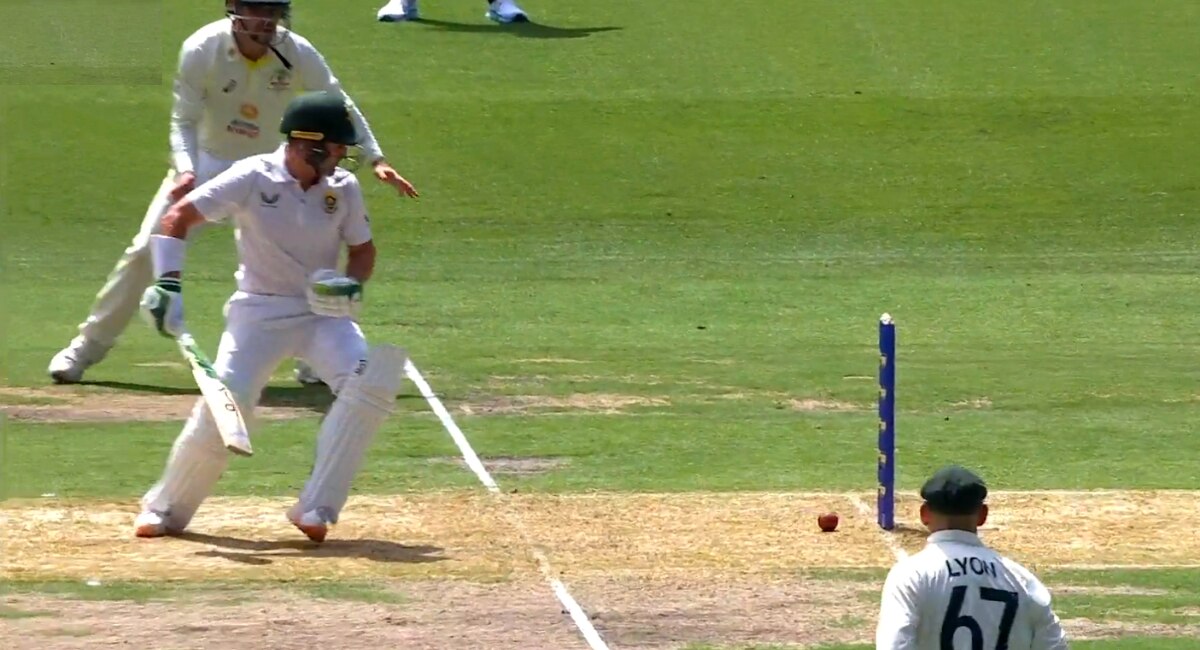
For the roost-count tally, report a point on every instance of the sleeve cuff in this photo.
(167, 253)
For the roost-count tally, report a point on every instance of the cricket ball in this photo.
(828, 522)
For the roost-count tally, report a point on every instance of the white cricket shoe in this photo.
(506, 11)
(68, 365)
(314, 523)
(150, 523)
(305, 375)
(397, 11)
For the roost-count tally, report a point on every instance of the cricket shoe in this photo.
(397, 11)
(314, 523)
(304, 374)
(151, 523)
(506, 11)
(68, 365)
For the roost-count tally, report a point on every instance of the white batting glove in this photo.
(333, 294)
(162, 307)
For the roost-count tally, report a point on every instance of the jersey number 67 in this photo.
(955, 619)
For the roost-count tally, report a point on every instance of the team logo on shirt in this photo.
(269, 201)
(331, 203)
(280, 80)
(249, 111)
(244, 128)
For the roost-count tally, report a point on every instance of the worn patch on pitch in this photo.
(470, 534)
(510, 465)
(88, 403)
(1090, 529)
(595, 403)
(810, 404)
(655, 571)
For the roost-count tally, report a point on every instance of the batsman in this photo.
(294, 210)
(235, 76)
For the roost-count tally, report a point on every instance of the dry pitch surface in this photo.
(653, 570)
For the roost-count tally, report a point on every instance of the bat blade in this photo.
(218, 398)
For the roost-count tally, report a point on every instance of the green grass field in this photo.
(645, 273)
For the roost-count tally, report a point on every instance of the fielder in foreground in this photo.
(235, 77)
(293, 209)
(957, 594)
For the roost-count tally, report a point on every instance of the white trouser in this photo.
(117, 303)
(260, 333)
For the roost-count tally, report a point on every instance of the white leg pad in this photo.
(197, 461)
(348, 429)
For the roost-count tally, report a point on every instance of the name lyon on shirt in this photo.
(959, 567)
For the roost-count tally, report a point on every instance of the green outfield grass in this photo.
(690, 214)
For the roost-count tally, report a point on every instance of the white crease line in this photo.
(865, 509)
(1112, 567)
(472, 459)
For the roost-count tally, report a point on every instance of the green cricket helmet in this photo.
(322, 117)
(319, 116)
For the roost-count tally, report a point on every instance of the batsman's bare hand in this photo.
(387, 174)
(184, 183)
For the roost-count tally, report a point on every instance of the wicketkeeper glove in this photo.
(162, 306)
(333, 294)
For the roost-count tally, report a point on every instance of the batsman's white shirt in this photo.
(227, 107)
(283, 233)
(957, 594)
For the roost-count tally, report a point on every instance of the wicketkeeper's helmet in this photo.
(266, 28)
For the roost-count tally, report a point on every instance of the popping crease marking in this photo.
(582, 622)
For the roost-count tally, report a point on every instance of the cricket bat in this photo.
(218, 398)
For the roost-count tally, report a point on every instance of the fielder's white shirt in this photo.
(231, 107)
(283, 233)
(957, 594)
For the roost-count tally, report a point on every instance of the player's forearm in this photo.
(369, 144)
(167, 248)
(184, 144)
(180, 218)
(360, 262)
(187, 109)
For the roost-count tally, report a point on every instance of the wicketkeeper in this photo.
(234, 79)
(294, 209)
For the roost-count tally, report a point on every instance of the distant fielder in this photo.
(957, 594)
(500, 11)
(294, 210)
(235, 77)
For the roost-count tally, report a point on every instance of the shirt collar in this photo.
(278, 167)
(955, 537)
(228, 45)
(232, 53)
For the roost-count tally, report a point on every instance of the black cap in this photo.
(954, 490)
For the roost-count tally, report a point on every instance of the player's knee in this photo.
(376, 380)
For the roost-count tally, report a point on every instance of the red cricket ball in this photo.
(828, 522)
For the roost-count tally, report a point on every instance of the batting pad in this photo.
(349, 427)
(196, 462)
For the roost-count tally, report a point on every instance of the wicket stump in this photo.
(886, 498)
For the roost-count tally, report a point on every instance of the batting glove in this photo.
(333, 294)
(162, 306)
